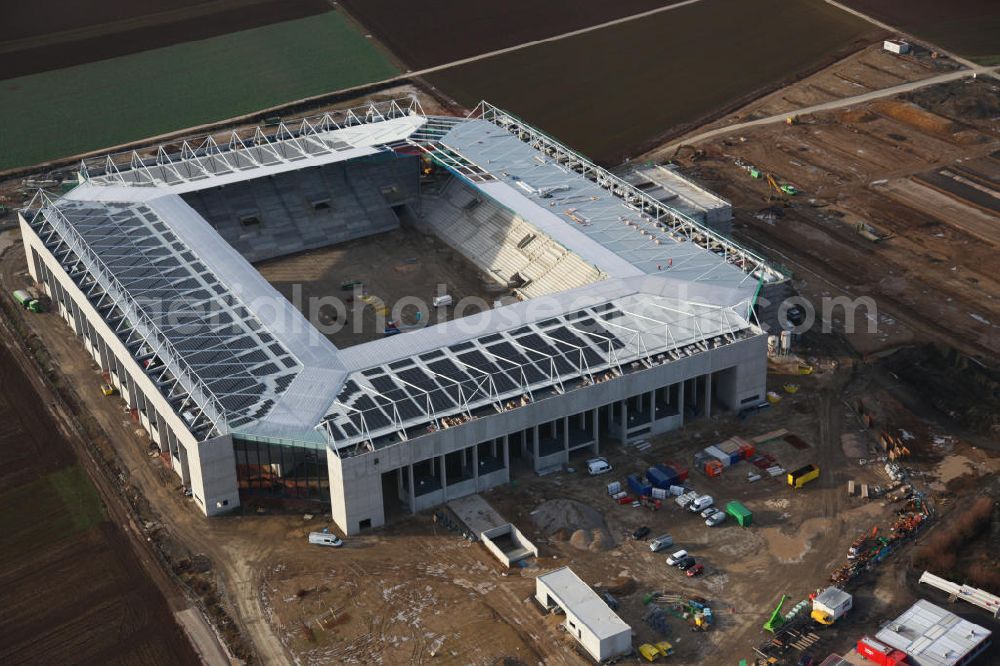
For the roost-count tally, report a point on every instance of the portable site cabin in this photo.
(588, 619)
(740, 513)
(830, 605)
(803, 475)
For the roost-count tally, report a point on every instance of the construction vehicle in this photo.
(653, 651)
(776, 193)
(777, 619)
(803, 475)
(830, 605)
(792, 120)
(27, 301)
(107, 389)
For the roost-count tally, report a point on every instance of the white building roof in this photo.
(933, 636)
(675, 288)
(578, 598)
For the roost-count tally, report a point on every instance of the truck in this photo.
(830, 605)
(803, 475)
(27, 301)
(740, 513)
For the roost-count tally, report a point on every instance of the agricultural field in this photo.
(968, 27)
(73, 590)
(427, 34)
(611, 92)
(88, 30)
(110, 102)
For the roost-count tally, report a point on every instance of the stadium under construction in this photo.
(623, 309)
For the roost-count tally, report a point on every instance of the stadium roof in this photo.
(257, 367)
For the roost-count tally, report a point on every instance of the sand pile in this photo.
(569, 520)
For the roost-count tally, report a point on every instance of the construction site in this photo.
(651, 460)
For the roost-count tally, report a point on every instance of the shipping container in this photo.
(659, 493)
(740, 513)
(879, 653)
(614, 487)
(659, 479)
(637, 486)
(803, 475)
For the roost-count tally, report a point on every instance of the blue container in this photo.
(637, 486)
(657, 478)
(735, 457)
(671, 472)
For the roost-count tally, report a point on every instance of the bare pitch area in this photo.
(343, 289)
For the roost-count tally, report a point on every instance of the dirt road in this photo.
(826, 106)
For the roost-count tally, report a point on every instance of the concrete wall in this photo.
(516, 536)
(207, 467)
(358, 478)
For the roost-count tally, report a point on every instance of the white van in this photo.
(677, 557)
(324, 539)
(661, 542)
(700, 504)
(597, 466)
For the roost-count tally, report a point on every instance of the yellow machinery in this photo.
(653, 651)
(107, 389)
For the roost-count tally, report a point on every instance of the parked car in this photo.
(597, 466)
(640, 533)
(696, 570)
(708, 512)
(661, 542)
(701, 503)
(716, 518)
(325, 539)
(674, 559)
(686, 563)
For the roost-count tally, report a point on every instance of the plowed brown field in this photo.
(615, 90)
(73, 591)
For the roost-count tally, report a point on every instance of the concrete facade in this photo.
(740, 368)
(207, 467)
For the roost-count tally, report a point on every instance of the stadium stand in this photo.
(501, 244)
(290, 212)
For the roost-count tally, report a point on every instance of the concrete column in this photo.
(680, 400)
(444, 472)
(624, 413)
(493, 446)
(595, 418)
(505, 444)
(475, 462)
(413, 490)
(651, 396)
(399, 484)
(566, 434)
(534, 445)
(708, 395)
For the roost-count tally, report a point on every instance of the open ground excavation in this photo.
(881, 167)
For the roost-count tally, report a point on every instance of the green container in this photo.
(740, 513)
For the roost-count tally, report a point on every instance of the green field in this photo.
(87, 107)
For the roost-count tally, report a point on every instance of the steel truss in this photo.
(673, 220)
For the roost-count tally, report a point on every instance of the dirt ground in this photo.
(934, 278)
(415, 592)
(401, 264)
(968, 27)
(615, 92)
(84, 31)
(479, 27)
(74, 591)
